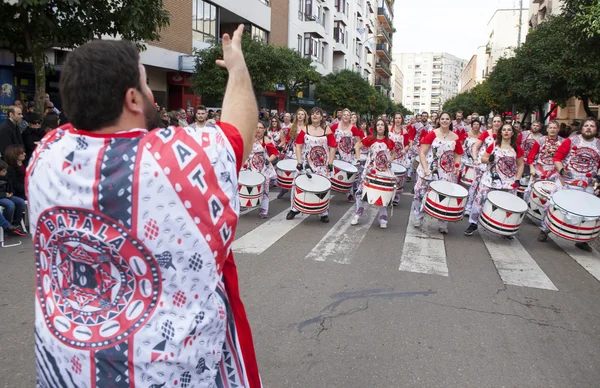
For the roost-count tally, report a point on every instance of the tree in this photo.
(268, 66)
(32, 26)
(346, 89)
(585, 15)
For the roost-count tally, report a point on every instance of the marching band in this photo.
(495, 177)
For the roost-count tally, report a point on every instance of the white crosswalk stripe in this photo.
(424, 250)
(514, 264)
(341, 242)
(272, 195)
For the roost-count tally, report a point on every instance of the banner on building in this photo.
(8, 91)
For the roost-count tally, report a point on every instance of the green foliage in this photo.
(585, 15)
(31, 26)
(268, 66)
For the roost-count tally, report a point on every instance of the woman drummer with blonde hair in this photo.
(288, 146)
(346, 136)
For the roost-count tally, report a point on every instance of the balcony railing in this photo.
(381, 31)
(383, 12)
(383, 66)
(382, 82)
(383, 48)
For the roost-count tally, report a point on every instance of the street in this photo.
(334, 305)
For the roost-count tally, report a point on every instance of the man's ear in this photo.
(133, 102)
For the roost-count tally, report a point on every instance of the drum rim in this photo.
(502, 207)
(293, 163)
(318, 177)
(245, 172)
(338, 161)
(568, 211)
(446, 194)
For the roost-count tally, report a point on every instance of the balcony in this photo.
(383, 82)
(435, 94)
(339, 41)
(315, 25)
(340, 16)
(383, 69)
(383, 52)
(383, 33)
(382, 89)
(384, 18)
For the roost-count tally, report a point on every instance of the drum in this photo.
(524, 183)
(446, 201)
(343, 176)
(468, 175)
(503, 213)
(311, 195)
(574, 215)
(250, 186)
(286, 172)
(400, 172)
(379, 189)
(540, 195)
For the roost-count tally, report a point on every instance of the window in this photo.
(204, 21)
(308, 7)
(258, 33)
(299, 43)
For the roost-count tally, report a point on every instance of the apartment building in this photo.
(468, 77)
(397, 84)
(343, 34)
(430, 79)
(168, 62)
(503, 33)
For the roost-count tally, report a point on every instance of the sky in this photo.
(457, 27)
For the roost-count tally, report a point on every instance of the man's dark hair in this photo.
(3, 165)
(94, 80)
(200, 107)
(50, 121)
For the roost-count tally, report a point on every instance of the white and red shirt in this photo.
(458, 127)
(440, 157)
(541, 156)
(580, 159)
(315, 150)
(400, 140)
(526, 140)
(487, 138)
(502, 173)
(136, 283)
(346, 139)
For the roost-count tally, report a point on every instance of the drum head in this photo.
(345, 166)
(545, 187)
(449, 189)
(507, 201)
(287, 164)
(251, 178)
(398, 169)
(577, 202)
(316, 184)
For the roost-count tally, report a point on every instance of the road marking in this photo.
(590, 261)
(424, 250)
(272, 196)
(342, 241)
(262, 237)
(514, 264)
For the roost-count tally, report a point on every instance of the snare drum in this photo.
(250, 186)
(400, 172)
(468, 175)
(503, 213)
(574, 215)
(523, 185)
(343, 176)
(311, 195)
(446, 201)
(540, 194)
(286, 172)
(379, 189)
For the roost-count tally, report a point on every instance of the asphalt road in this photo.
(328, 311)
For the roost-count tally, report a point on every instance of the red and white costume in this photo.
(459, 127)
(416, 133)
(526, 140)
(400, 140)
(136, 282)
(345, 139)
(441, 163)
(274, 135)
(257, 162)
(541, 156)
(501, 175)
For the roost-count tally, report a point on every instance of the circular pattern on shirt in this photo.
(345, 144)
(583, 159)
(527, 145)
(318, 156)
(96, 284)
(447, 161)
(258, 161)
(381, 161)
(507, 165)
(548, 151)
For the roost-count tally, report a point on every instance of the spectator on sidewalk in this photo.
(11, 216)
(9, 131)
(33, 134)
(15, 158)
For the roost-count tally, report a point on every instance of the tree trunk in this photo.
(541, 112)
(527, 113)
(586, 106)
(39, 69)
(549, 113)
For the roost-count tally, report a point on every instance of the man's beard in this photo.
(150, 114)
(588, 137)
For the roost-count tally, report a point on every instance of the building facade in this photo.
(503, 34)
(430, 79)
(344, 34)
(397, 84)
(468, 77)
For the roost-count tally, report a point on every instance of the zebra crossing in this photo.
(416, 250)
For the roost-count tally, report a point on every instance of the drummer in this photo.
(577, 161)
(346, 136)
(379, 159)
(469, 159)
(315, 147)
(439, 156)
(399, 136)
(528, 138)
(288, 146)
(416, 132)
(505, 161)
(541, 165)
(261, 160)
